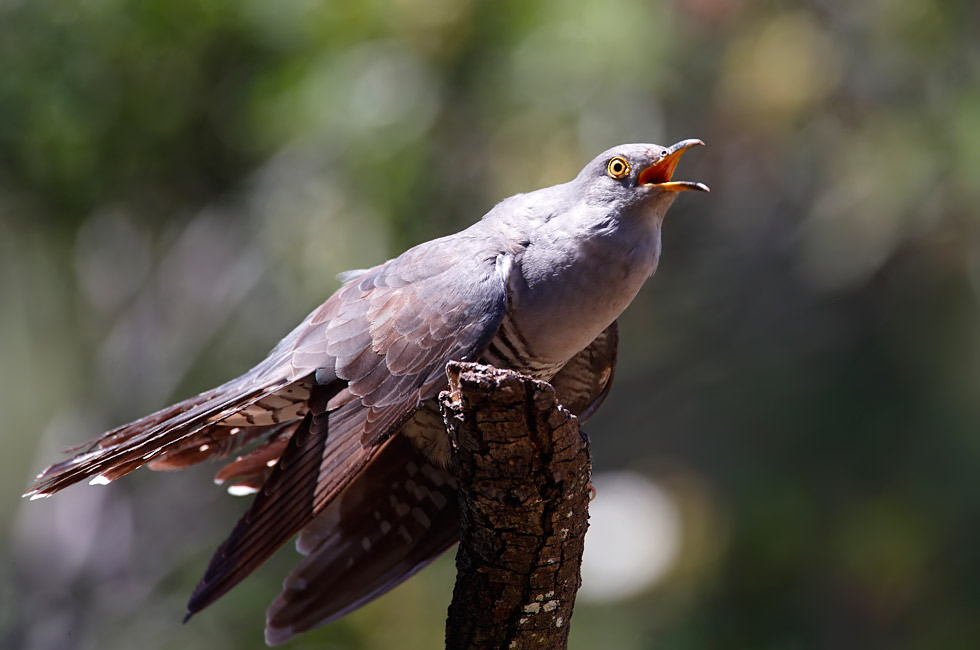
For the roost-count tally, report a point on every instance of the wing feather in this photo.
(399, 515)
(351, 419)
(583, 383)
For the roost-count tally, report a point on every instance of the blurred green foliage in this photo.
(180, 181)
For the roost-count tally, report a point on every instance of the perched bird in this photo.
(337, 430)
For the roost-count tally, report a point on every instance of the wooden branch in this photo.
(523, 468)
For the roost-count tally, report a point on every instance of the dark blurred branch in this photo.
(523, 468)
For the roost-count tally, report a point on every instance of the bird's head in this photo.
(634, 177)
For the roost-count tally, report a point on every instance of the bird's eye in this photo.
(618, 168)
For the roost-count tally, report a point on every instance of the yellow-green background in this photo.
(181, 180)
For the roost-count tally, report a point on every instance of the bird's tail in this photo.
(210, 425)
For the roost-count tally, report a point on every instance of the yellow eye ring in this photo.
(618, 168)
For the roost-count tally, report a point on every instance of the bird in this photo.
(337, 432)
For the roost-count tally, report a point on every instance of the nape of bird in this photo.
(337, 431)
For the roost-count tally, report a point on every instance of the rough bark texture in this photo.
(523, 468)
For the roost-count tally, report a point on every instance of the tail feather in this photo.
(215, 442)
(249, 472)
(121, 434)
(152, 438)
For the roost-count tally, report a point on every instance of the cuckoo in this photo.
(337, 431)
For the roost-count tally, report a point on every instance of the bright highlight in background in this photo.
(634, 537)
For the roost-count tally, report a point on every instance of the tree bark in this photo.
(523, 468)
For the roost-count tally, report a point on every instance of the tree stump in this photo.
(523, 468)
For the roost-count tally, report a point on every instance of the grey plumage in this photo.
(337, 430)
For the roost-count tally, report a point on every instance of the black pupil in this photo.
(617, 167)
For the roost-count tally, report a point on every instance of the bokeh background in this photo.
(790, 453)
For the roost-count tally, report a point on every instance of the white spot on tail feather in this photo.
(99, 480)
(241, 490)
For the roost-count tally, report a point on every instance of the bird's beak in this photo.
(659, 173)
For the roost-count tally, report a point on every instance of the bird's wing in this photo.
(583, 383)
(401, 512)
(378, 348)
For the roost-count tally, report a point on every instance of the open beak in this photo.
(659, 173)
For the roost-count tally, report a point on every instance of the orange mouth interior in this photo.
(661, 171)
